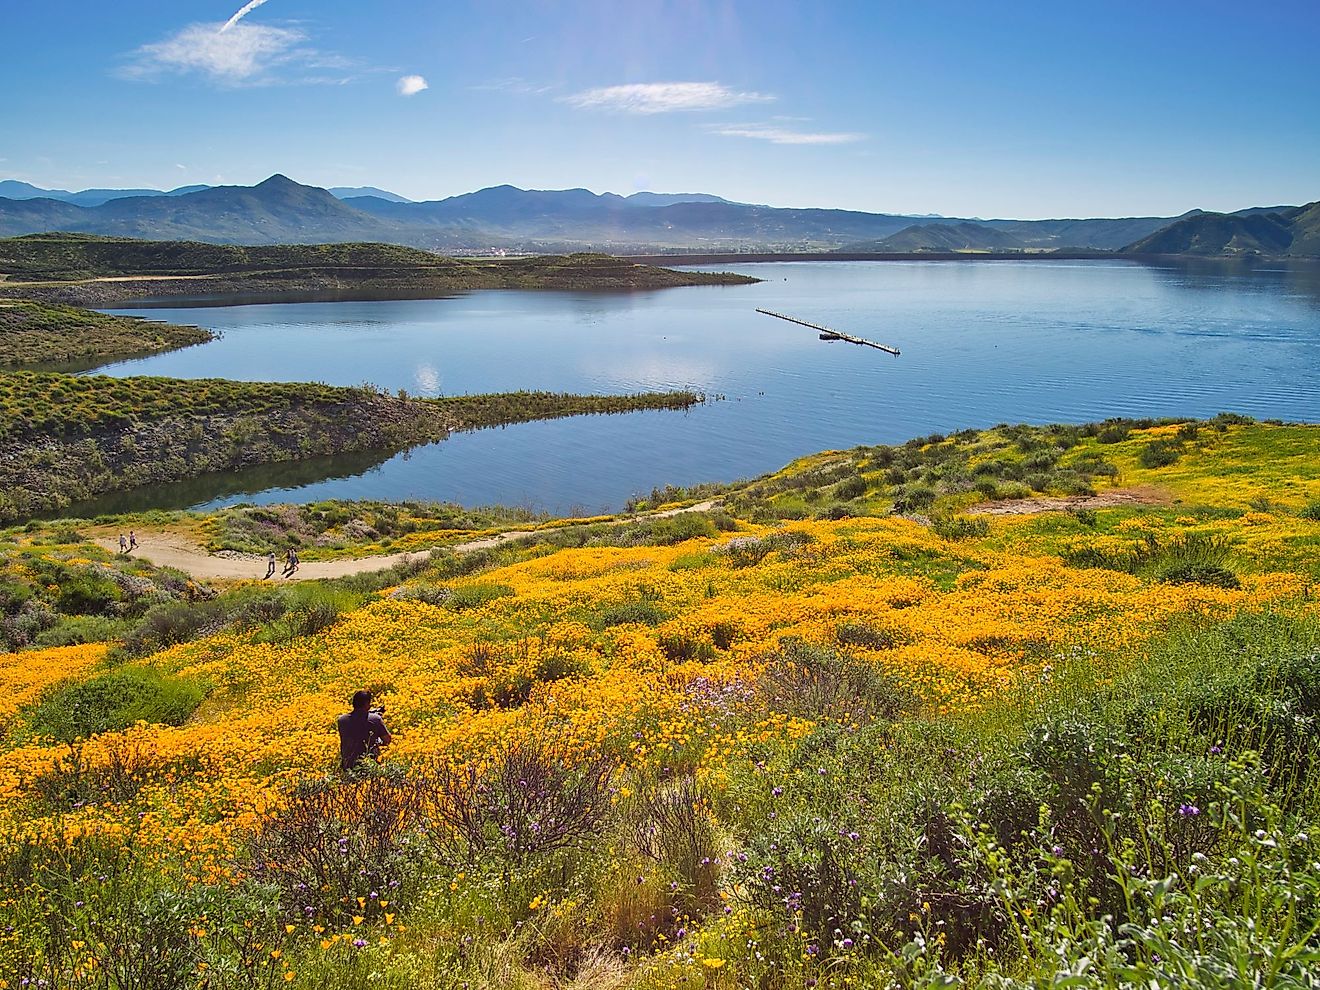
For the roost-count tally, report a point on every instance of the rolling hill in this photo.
(1293, 231)
(965, 236)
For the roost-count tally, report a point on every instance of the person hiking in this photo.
(132, 540)
(123, 543)
(270, 565)
(290, 562)
(362, 732)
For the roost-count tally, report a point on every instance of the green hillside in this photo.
(950, 237)
(74, 256)
(1291, 231)
(89, 270)
(36, 333)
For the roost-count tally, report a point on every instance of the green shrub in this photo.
(851, 488)
(960, 527)
(1084, 517)
(113, 701)
(642, 612)
(1311, 510)
(1220, 577)
(869, 636)
(470, 596)
(169, 623)
(1186, 553)
(745, 551)
(911, 498)
(1159, 453)
(78, 629)
(424, 591)
(314, 617)
(683, 648)
(821, 684)
(692, 561)
(81, 593)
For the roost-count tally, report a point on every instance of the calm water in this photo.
(982, 342)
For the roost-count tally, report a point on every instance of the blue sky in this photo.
(1018, 109)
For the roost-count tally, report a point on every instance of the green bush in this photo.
(869, 636)
(1159, 453)
(113, 701)
(912, 498)
(80, 629)
(683, 648)
(1220, 577)
(851, 488)
(470, 596)
(1084, 517)
(81, 593)
(960, 527)
(643, 612)
(169, 623)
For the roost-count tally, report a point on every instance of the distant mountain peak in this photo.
(277, 181)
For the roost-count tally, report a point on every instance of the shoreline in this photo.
(756, 258)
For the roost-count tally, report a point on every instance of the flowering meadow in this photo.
(771, 747)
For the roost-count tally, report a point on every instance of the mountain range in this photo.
(14, 189)
(280, 210)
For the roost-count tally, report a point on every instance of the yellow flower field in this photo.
(269, 720)
(662, 661)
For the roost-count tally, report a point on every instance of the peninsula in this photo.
(65, 438)
(86, 270)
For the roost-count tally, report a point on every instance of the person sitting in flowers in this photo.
(362, 731)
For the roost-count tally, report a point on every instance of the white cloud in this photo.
(243, 54)
(411, 85)
(783, 135)
(663, 97)
(184, 167)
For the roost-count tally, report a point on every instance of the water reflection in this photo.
(232, 486)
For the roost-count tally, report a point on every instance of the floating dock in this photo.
(826, 333)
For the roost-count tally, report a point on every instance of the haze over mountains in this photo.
(280, 210)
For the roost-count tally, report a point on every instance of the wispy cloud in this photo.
(411, 85)
(784, 135)
(246, 54)
(237, 53)
(512, 84)
(664, 97)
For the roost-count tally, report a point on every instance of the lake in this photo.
(982, 343)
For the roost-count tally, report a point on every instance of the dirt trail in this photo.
(171, 550)
(1104, 500)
